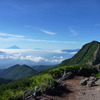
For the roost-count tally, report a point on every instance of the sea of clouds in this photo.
(10, 57)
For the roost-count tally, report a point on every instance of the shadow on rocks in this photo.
(57, 91)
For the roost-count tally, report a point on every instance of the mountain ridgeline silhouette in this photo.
(89, 53)
(17, 72)
(14, 47)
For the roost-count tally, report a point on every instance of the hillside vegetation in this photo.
(85, 55)
(5, 81)
(14, 90)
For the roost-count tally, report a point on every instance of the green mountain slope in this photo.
(89, 53)
(4, 81)
(17, 72)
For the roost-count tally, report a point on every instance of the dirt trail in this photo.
(77, 92)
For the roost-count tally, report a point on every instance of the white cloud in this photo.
(11, 35)
(11, 51)
(56, 60)
(42, 30)
(34, 59)
(47, 32)
(52, 41)
(9, 39)
(72, 52)
(57, 51)
(73, 32)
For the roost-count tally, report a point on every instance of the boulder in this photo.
(97, 82)
(84, 81)
(92, 78)
(90, 83)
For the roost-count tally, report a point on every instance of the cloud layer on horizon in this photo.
(32, 57)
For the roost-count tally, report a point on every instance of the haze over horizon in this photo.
(49, 24)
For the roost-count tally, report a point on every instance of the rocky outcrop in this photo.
(91, 81)
(97, 82)
(84, 81)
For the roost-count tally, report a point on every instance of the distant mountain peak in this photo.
(14, 47)
(95, 41)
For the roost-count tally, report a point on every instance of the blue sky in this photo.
(49, 24)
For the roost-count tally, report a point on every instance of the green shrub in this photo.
(14, 90)
(97, 75)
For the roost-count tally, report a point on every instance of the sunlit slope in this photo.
(88, 54)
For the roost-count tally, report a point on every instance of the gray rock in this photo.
(90, 83)
(97, 82)
(84, 81)
(64, 76)
(92, 78)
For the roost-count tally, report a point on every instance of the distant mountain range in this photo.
(14, 47)
(90, 53)
(43, 67)
(17, 72)
(70, 50)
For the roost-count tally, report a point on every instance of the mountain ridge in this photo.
(17, 72)
(88, 53)
(14, 47)
(70, 50)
